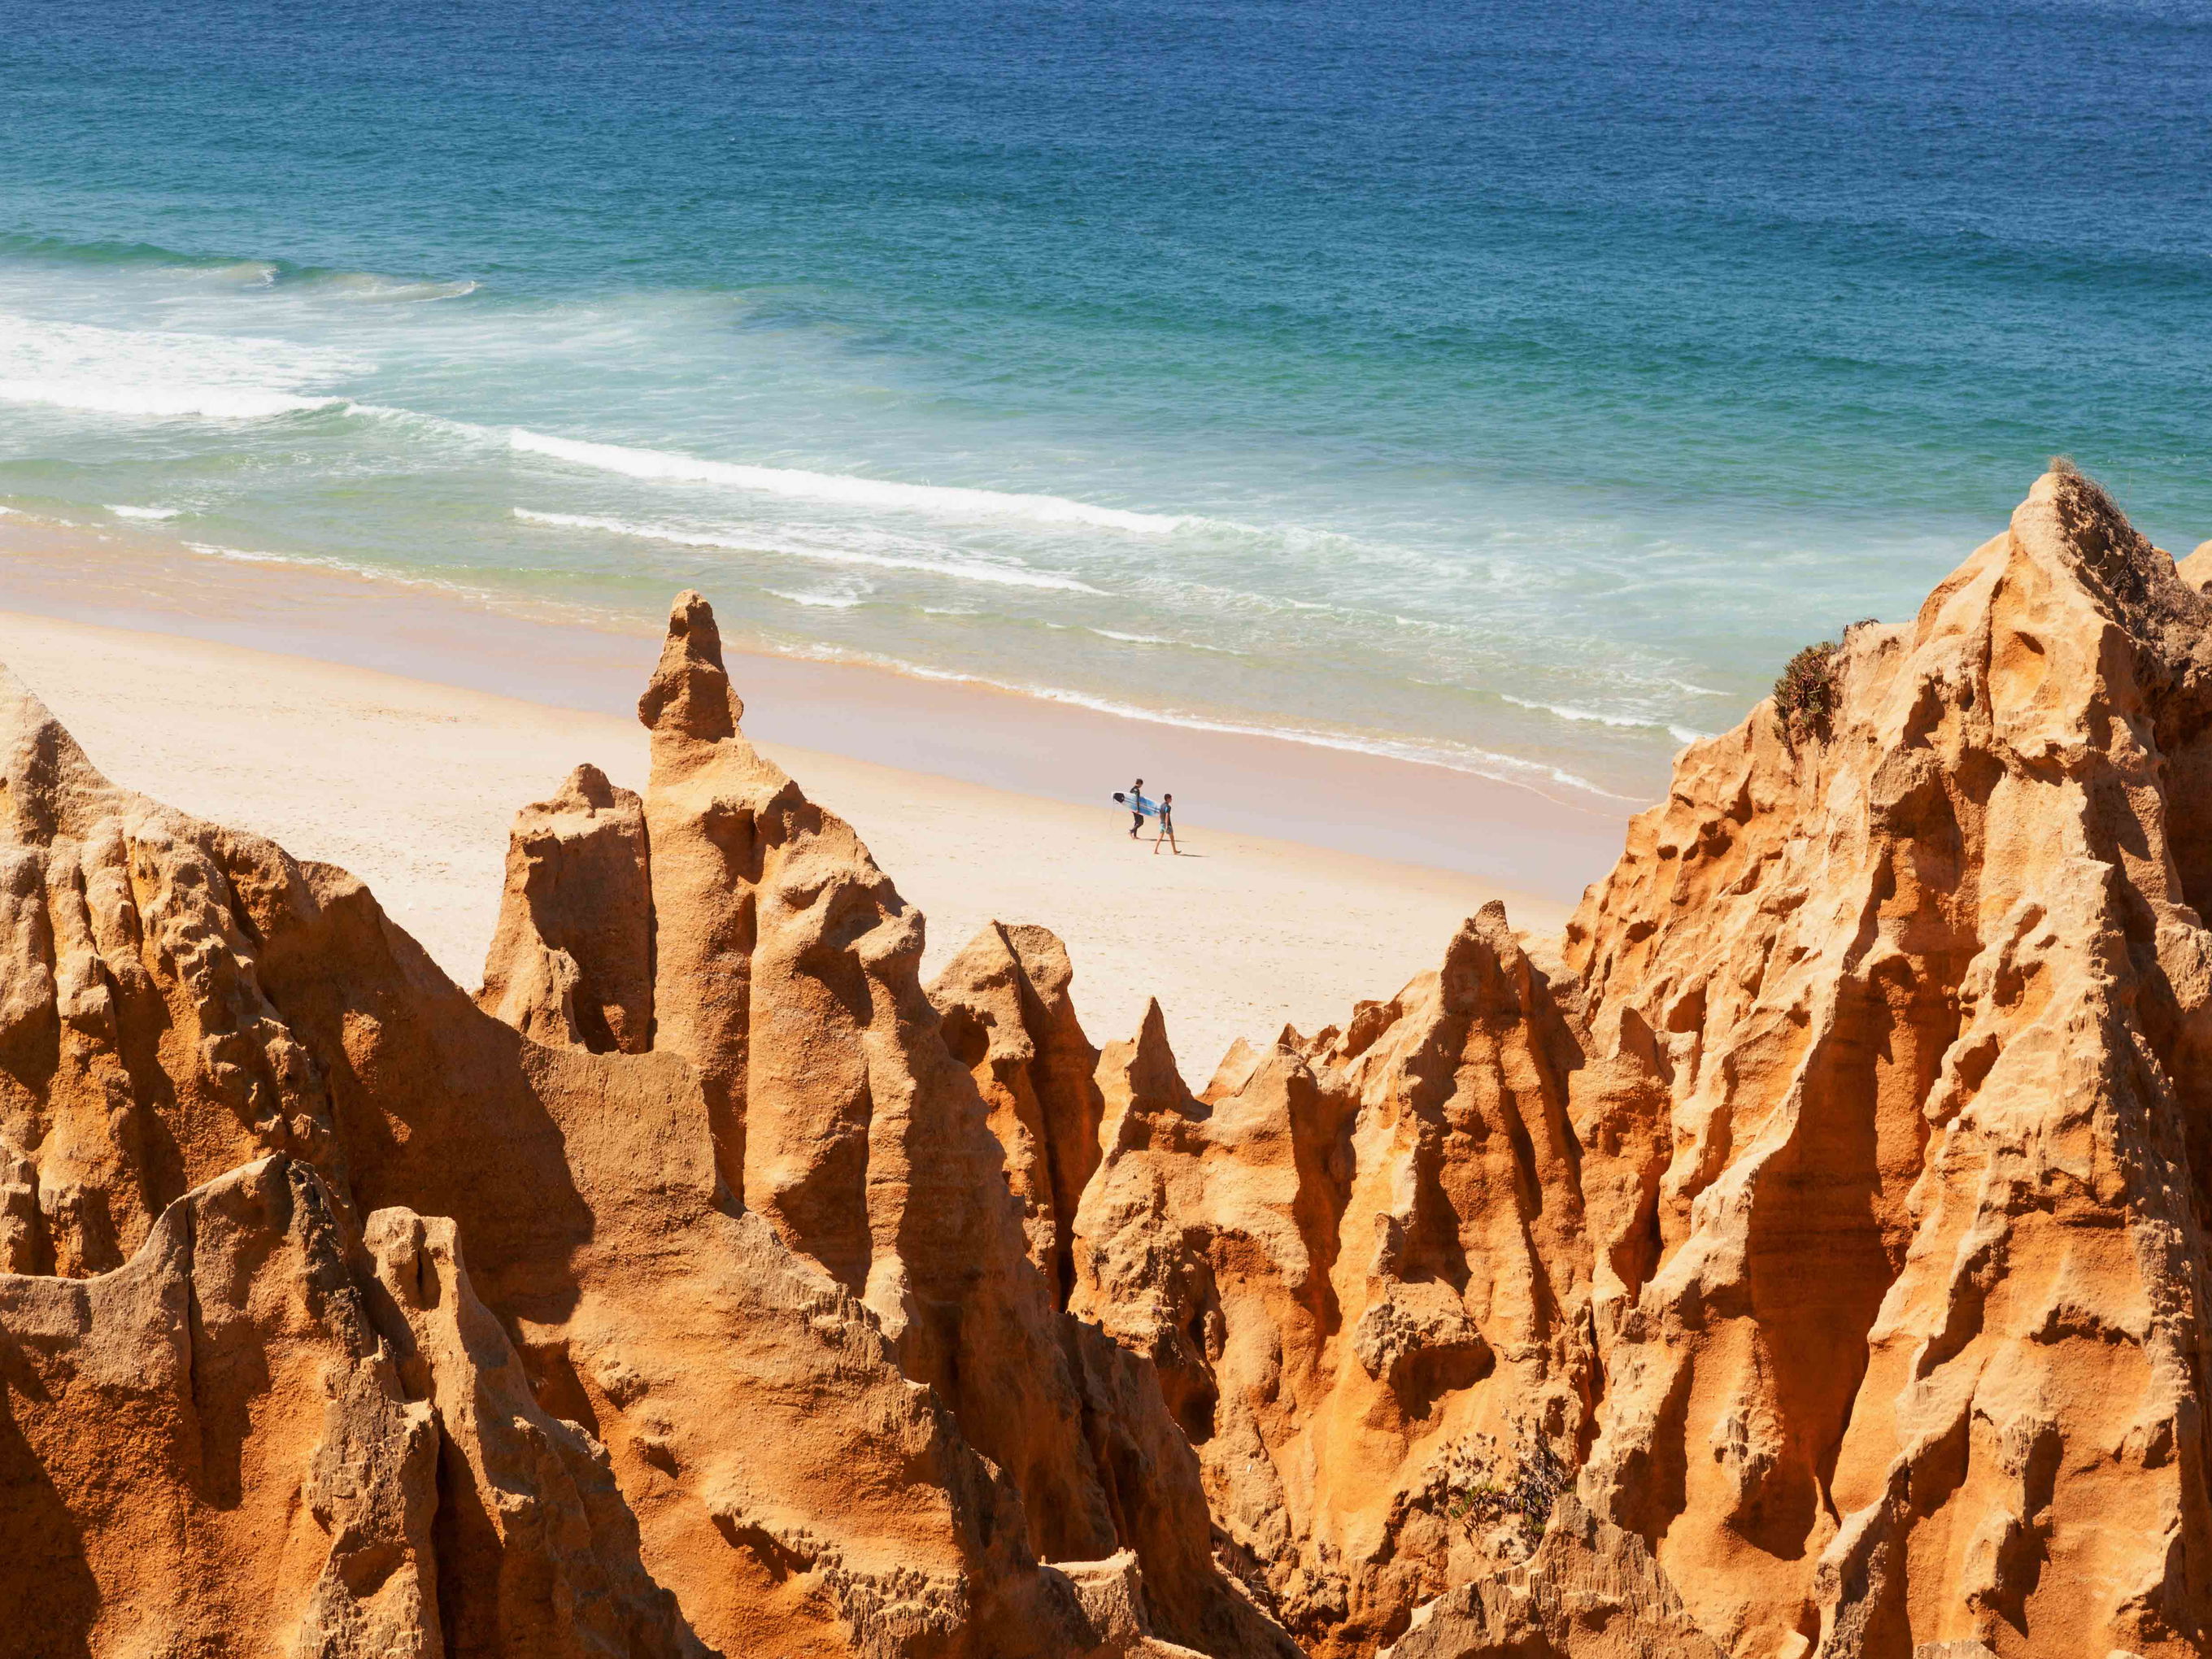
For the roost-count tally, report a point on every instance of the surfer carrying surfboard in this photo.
(1140, 809)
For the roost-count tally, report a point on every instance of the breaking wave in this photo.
(164, 374)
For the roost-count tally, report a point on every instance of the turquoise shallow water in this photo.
(1513, 388)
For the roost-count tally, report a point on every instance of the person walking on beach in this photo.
(1136, 808)
(1167, 828)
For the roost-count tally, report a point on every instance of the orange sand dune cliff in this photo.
(1808, 1256)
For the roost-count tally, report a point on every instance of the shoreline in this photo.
(1549, 844)
(412, 786)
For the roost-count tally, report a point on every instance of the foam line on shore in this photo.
(845, 489)
(1631, 722)
(1476, 763)
(972, 570)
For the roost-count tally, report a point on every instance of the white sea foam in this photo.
(122, 511)
(824, 601)
(1626, 722)
(1360, 612)
(162, 374)
(215, 551)
(318, 561)
(460, 432)
(1565, 712)
(1155, 638)
(161, 402)
(971, 570)
(937, 500)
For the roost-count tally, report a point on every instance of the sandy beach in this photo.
(412, 784)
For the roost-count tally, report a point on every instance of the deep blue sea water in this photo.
(1512, 385)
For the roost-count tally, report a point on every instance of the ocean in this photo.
(1509, 387)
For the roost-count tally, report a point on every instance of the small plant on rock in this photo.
(1486, 1487)
(1809, 687)
(1805, 691)
(2087, 487)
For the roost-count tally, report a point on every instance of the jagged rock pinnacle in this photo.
(690, 696)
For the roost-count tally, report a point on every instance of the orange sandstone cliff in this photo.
(1808, 1255)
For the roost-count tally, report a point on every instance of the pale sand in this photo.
(412, 785)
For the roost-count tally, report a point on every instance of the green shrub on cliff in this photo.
(1809, 687)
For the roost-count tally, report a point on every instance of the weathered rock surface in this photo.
(1009, 1019)
(139, 1053)
(1923, 1357)
(1355, 1262)
(207, 1449)
(538, 1550)
(2197, 568)
(1811, 1258)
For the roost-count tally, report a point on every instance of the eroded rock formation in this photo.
(1836, 1209)
(1357, 1263)
(1009, 1019)
(731, 1344)
(1807, 1256)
